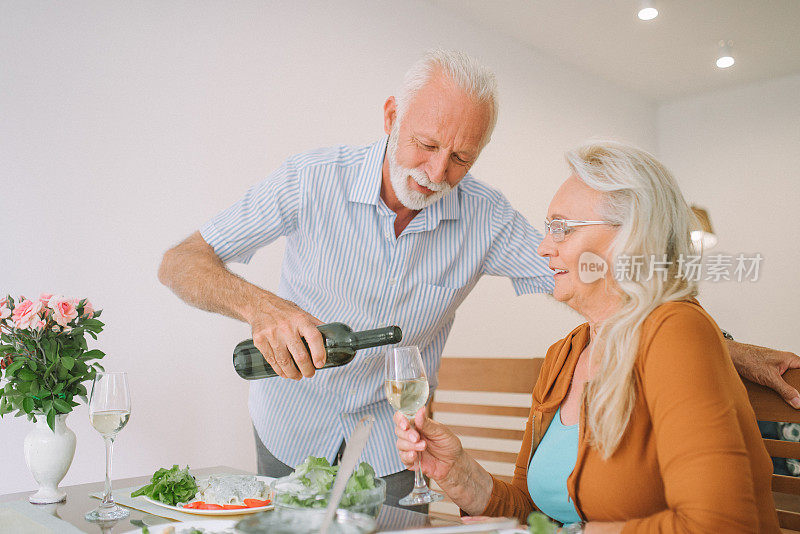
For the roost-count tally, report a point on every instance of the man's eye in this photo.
(460, 160)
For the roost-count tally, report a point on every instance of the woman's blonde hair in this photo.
(641, 196)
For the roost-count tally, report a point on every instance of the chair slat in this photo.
(481, 409)
(479, 432)
(506, 375)
(493, 456)
(782, 449)
(789, 520)
(785, 484)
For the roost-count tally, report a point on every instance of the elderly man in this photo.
(396, 232)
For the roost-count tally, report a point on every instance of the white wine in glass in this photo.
(407, 391)
(109, 411)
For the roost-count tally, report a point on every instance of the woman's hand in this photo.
(438, 446)
(444, 460)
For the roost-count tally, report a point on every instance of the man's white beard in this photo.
(398, 175)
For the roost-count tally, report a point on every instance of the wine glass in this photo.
(109, 411)
(407, 391)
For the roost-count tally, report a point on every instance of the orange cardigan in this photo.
(691, 458)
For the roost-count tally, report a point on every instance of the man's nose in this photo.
(437, 167)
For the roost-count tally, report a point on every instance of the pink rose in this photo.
(63, 309)
(88, 309)
(44, 298)
(26, 313)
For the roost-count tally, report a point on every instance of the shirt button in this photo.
(392, 281)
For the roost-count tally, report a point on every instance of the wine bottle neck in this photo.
(376, 337)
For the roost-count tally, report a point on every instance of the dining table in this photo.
(18, 516)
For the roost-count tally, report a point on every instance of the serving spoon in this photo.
(352, 452)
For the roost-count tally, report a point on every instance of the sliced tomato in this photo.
(207, 506)
(256, 503)
(195, 504)
(233, 507)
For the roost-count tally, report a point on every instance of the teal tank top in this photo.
(551, 465)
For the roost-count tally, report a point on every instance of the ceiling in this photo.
(662, 59)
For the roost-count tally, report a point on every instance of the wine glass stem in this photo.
(419, 480)
(108, 499)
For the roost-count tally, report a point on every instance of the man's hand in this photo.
(766, 366)
(278, 326)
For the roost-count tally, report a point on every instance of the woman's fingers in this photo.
(405, 445)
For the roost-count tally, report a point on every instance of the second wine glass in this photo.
(109, 411)
(407, 391)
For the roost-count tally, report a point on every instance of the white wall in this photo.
(736, 153)
(125, 125)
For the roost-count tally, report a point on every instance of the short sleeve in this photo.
(267, 211)
(513, 253)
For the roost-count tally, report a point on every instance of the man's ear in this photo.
(389, 114)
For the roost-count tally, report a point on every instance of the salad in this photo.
(311, 482)
(177, 487)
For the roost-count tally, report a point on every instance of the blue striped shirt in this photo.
(343, 263)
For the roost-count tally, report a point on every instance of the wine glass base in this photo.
(107, 514)
(420, 497)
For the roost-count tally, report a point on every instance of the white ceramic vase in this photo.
(49, 455)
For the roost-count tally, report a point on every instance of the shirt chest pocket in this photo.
(438, 303)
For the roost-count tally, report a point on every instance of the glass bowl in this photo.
(367, 502)
(305, 521)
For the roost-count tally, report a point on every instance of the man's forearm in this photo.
(202, 280)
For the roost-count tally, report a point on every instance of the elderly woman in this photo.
(639, 421)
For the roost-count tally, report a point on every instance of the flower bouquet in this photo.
(44, 359)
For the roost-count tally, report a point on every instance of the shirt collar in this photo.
(366, 188)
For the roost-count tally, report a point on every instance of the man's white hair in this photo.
(475, 79)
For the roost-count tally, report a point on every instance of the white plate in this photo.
(210, 525)
(195, 511)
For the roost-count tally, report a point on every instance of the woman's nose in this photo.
(547, 246)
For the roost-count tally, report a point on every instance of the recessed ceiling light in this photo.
(724, 55)
(647, 10)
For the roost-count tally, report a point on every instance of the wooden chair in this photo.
(486, 401)
(769, 406)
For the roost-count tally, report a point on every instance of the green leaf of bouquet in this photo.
(91, 354)
(27, 404)
(6, 348)
(47, 405)
(68, 362)
(26, 374)
(51, 419)
(16, 364)
(61, 372)
(34, 388)
(62, 406)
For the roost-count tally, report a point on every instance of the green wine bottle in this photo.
(341, 344)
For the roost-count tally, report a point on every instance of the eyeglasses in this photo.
(561, 227)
